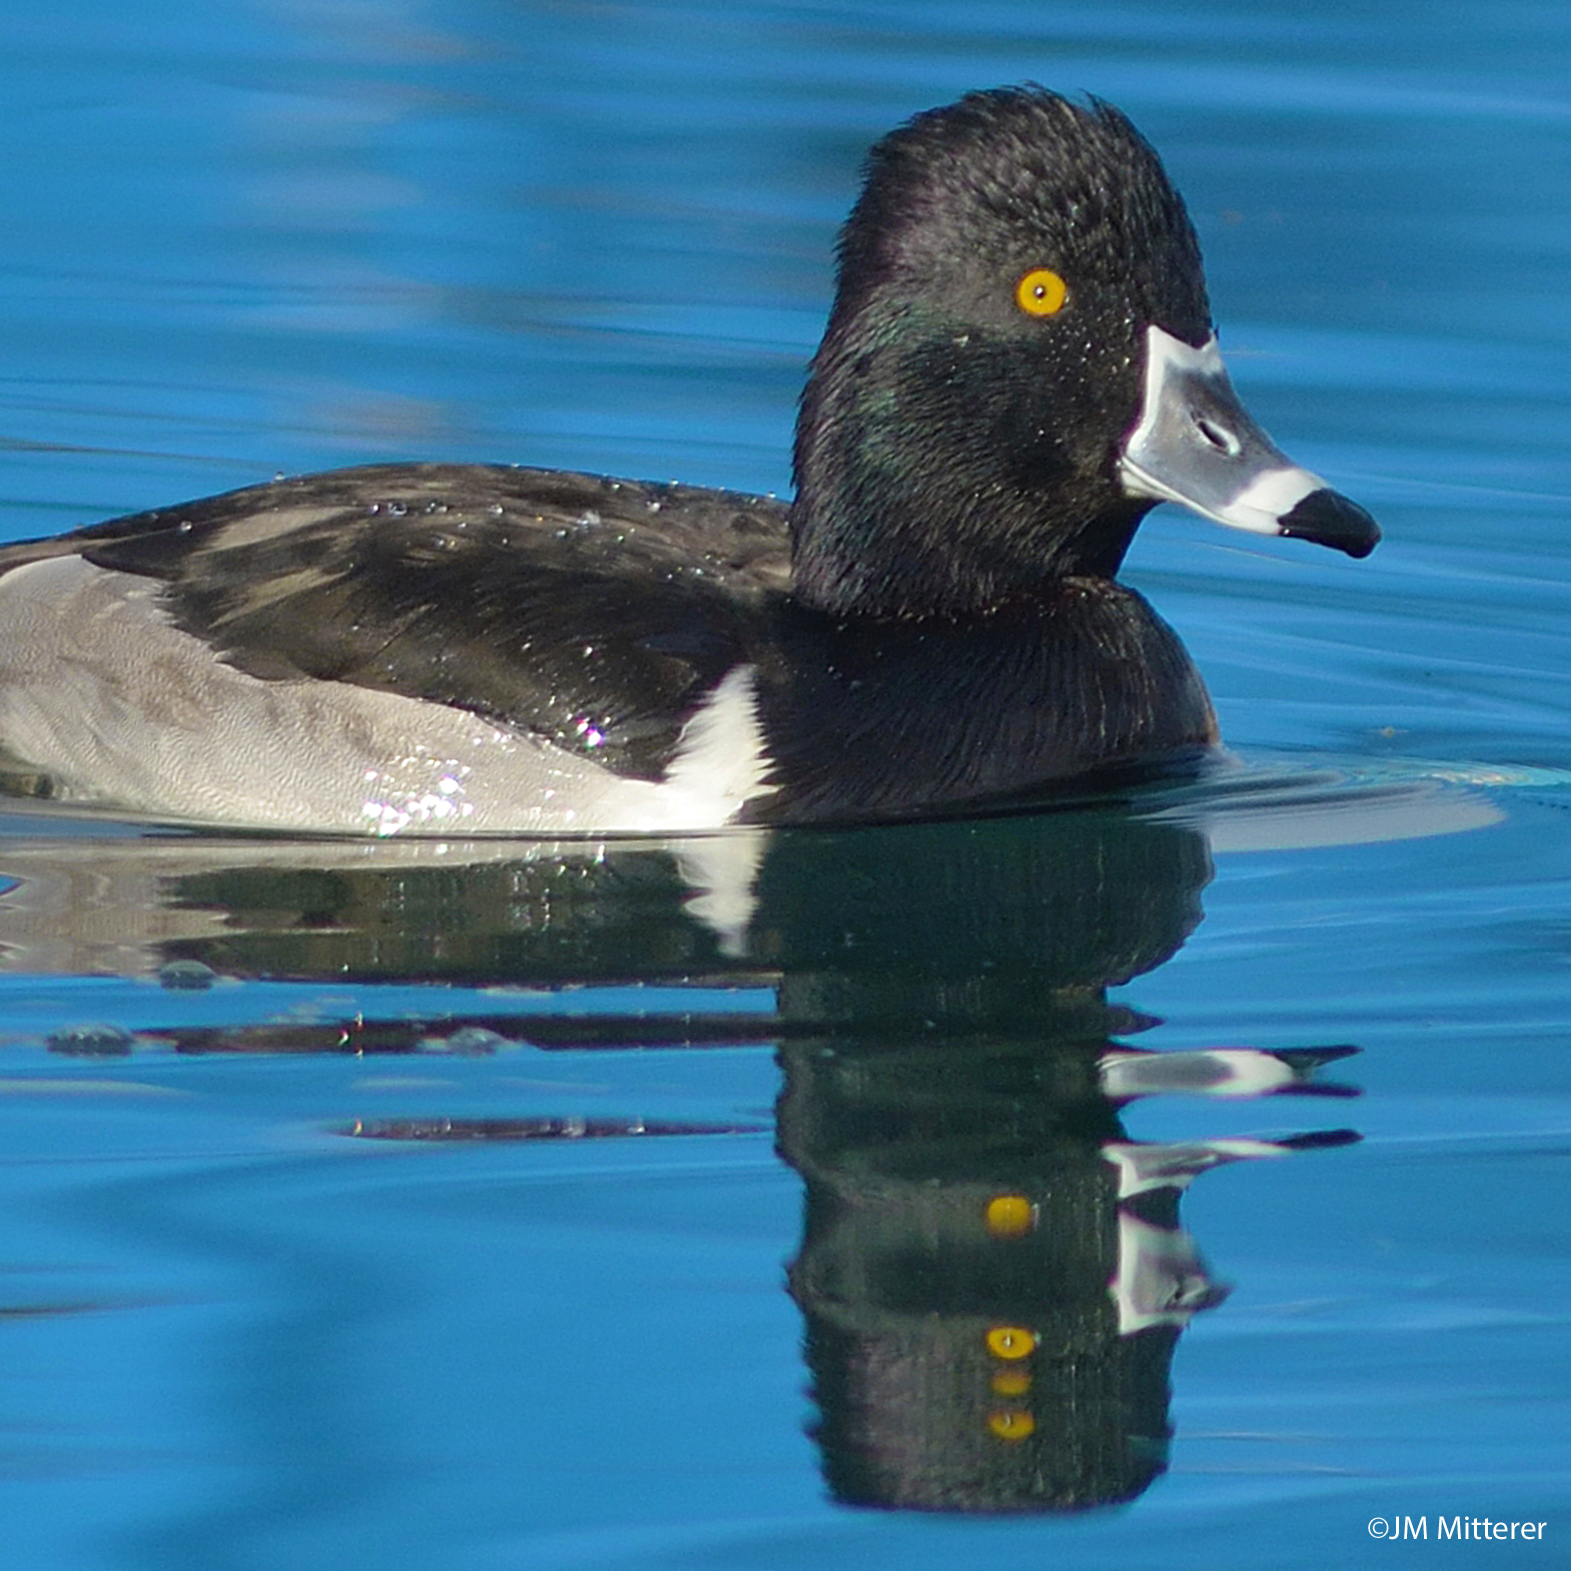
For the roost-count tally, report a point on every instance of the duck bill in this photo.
(1197, 445)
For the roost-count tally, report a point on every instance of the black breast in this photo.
(893, 719)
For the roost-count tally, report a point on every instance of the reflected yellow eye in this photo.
(1041, 292)
(1010, 1423)
(1011, 1342)
(1010, 1216)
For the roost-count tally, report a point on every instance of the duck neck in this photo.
(924, 489)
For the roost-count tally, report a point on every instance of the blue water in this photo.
(530, 1205)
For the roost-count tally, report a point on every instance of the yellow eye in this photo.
(1041, 292)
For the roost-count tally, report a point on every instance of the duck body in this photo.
(933, 623)
(435, 646)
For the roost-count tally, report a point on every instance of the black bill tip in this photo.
(1329, 518)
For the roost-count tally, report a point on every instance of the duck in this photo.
(1020, 362)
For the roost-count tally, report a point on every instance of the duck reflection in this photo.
(994, 1276)
(992, 1272)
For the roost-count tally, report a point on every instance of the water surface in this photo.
(755, 1203)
